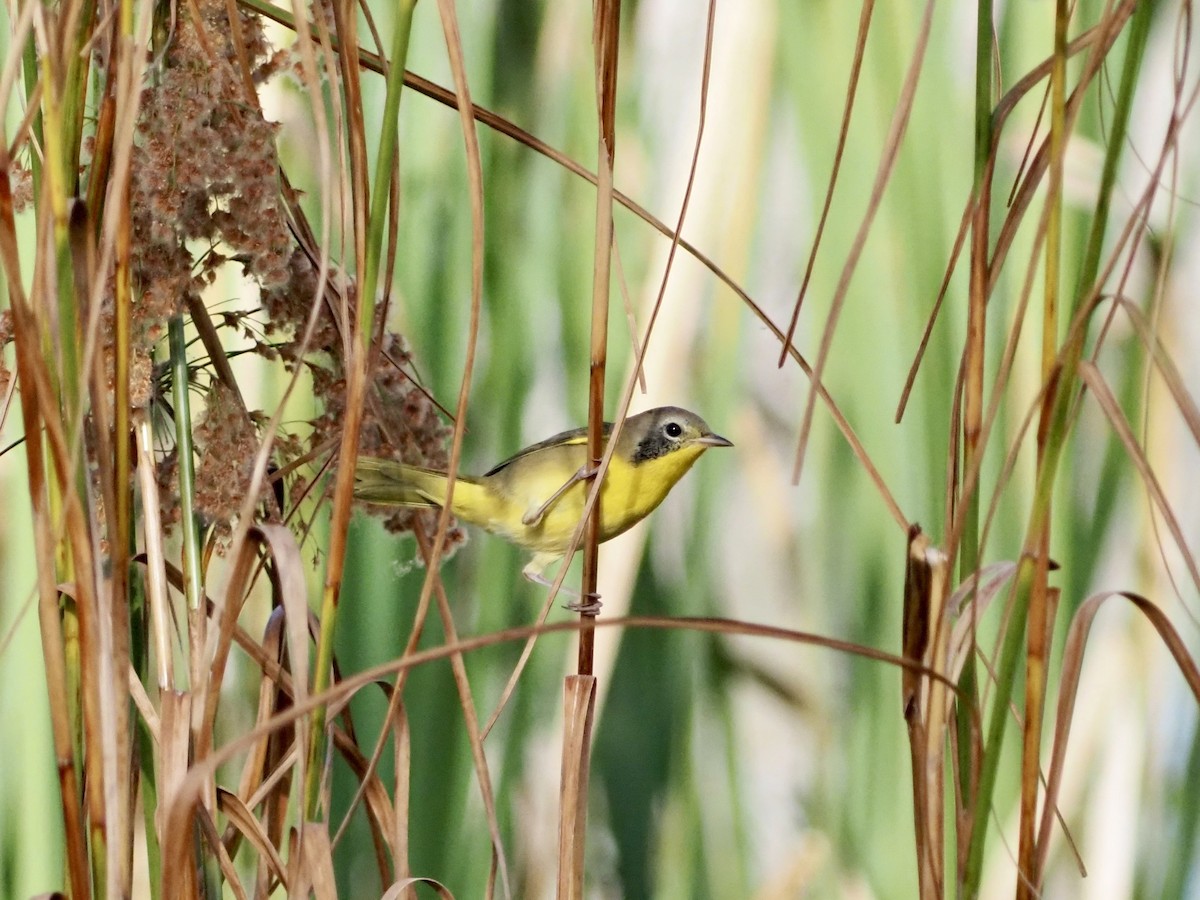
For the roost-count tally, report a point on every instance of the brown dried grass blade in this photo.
(964, 227)
(381, 818)
(208, 828)
(1099, 40)
(265, 775)
(1185, 403)
(315, 863)
(926, 703)
(1072, 666)
(241, 818)
(402, 759)
(141, 700)
(178, 863)
(981, 589)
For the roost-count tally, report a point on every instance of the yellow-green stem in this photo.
(377, 226)
(192, 581)
(1039, 605)
(969, 550)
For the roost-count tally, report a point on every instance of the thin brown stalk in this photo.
(896, 129)
(454, 47)
(346, 24)
(960, 239)
(1099, 389)
(860, 45)
(466, 701)
(606, 30)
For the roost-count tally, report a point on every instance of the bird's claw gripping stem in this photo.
(589, 608)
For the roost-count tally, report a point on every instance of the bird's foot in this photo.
(589, 608)
(587, 604)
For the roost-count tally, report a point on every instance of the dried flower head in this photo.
(206, 194)
(227, 441)
(205, 173)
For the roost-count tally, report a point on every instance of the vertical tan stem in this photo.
(579, 706)
(156, 571)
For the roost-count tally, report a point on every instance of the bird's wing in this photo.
(565, 439)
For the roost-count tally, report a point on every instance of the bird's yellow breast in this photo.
(631, 492)
(506, 501)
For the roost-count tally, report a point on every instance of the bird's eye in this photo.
(673, 429)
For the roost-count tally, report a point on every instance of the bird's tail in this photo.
(395, 484)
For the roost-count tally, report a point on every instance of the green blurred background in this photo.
(728, 768)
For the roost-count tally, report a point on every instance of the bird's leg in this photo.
(534, 517)
(533, 572)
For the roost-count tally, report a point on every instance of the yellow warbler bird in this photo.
(535, 499)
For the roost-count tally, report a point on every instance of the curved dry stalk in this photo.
(1099, 389)
(178, 810)
(402, 888)
(247, 825)
(891, 149)
(860, 44)
(290, 593)
(1072, 667)
(470, 717)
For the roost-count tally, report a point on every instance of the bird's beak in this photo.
(713, 440)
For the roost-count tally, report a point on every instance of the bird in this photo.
(535, 498)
